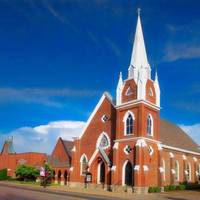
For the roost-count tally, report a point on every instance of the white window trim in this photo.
(125, 118)
(130, 92)
(150, 92)
(164, 169)
(190, 171)
(99, 140)
(81, 160)
(178, 170)
(152, 125)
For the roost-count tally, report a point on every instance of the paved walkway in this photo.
(100, 194)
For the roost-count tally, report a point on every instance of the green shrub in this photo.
(180, 187)
(172, 187)
(3, 174)
(26, 173)
(192, 186)
(166, 188)
(154, 189)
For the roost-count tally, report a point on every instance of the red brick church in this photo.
(126, 144)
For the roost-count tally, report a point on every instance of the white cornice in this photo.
(135, 102)
(179, 149)
(136, 138)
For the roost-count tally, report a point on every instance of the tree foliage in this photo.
(3, 174)
(26, 173)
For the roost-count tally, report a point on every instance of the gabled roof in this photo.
(172, 135)
(56, 162)
(68, 146)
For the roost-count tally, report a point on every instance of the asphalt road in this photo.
(16, 193)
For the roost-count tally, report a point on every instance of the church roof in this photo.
(68, 145)
(172, 135)
(56, 162)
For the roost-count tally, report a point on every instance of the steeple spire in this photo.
(139, 56)
(119, 89)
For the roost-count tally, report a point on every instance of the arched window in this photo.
(198, 171)
(128, 123)
(163, 166)
(83, 164)
(103, 141)
(176, 169)
(188, 172)
(150, 125)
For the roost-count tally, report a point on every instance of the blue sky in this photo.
(57, 57)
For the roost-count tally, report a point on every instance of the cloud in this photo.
(43, 138)
(193, 131)
(185, 50)
(189, 106)
(54, 12)
(44, 96)
(113, 46)
(183, 42)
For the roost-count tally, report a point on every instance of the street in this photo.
(20, 192)
(15, 193)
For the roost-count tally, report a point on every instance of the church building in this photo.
(125, 144)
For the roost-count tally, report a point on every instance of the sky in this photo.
(57, 57)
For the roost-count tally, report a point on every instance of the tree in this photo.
(25, 173)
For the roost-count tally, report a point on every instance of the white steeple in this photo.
(139, 56)
(119, 90)
(157, 90)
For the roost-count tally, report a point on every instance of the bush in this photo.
(26, 173)
(154, 189)
(166, 188)
(180, 187)
(3, 174)
(192, 186)
(172, 187)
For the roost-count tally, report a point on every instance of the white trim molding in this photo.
(141, 143)
(103, 97)
(184, 157)
(179, 149)
(137, 167)
(150, 117)
(103, 134)
(135, 102)
(161, 169)
(125, 120)
(136, 138)
(195, 159)
(116, 145)
(145, 168)
(93, 157)
(113, 168)
(74, 149)
(171, 155)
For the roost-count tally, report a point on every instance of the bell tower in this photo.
(137, 118)
(139, 80)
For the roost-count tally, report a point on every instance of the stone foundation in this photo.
(113, 188)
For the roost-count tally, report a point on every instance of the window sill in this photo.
(128, 134)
